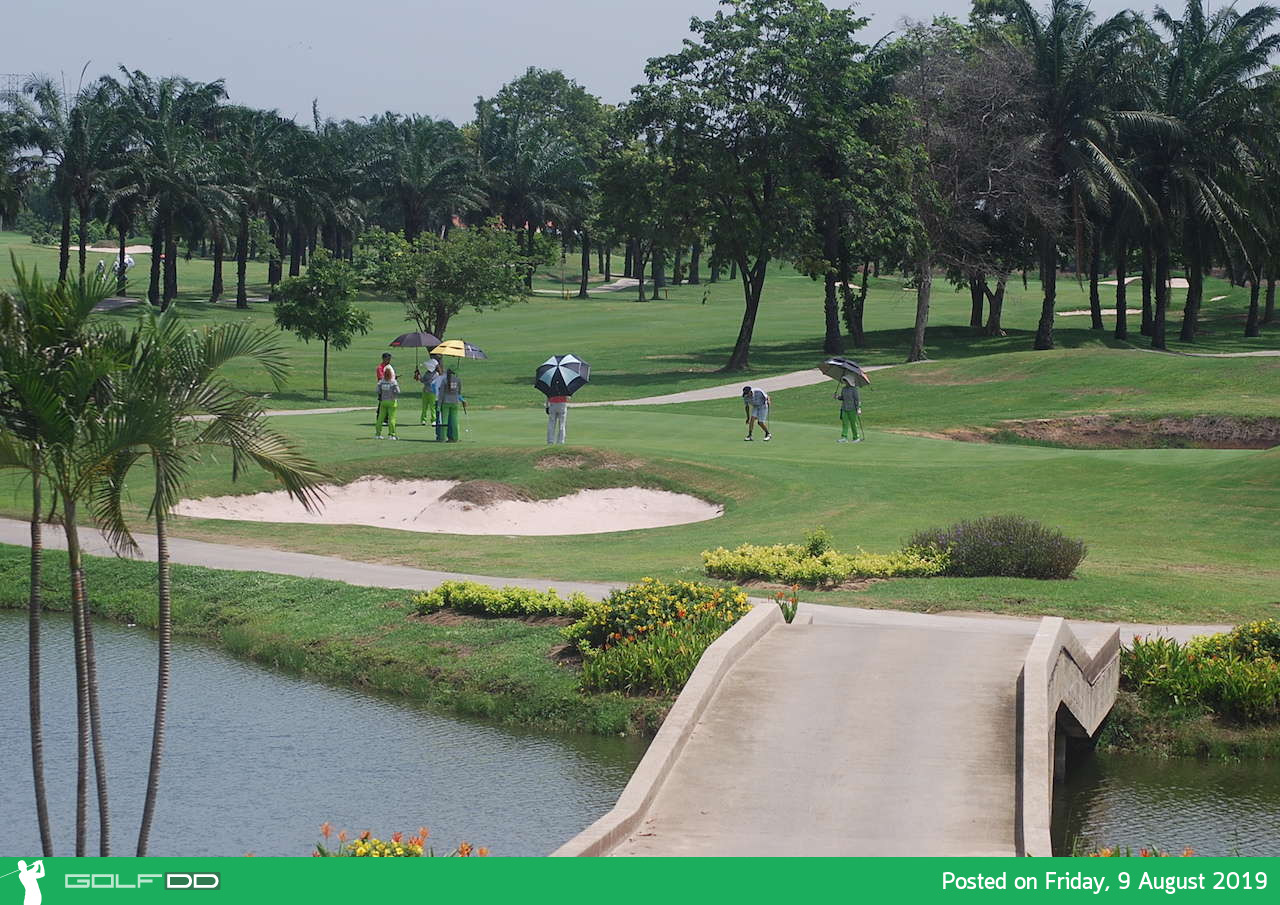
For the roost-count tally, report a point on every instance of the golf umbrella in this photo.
(458, 349)
(417, 340)
(562, 375)
(844, 369)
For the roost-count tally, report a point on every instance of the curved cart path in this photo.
(732, 390)
(382, 575)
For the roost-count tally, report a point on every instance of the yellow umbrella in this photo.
(458, 348)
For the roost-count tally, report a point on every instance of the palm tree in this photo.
(423, 166)
(61, 381)
(252, 160)
(1211, 91)
(1072, 60)
(176, 403)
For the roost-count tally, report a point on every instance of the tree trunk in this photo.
(83, 236)
(242, 261)
(733, 270)
(164, 629)
(586, 266)
(1095, 301)
(608, 263)
(752, 286)
(1253, 326)
(977, 287)
(656, 258)
(1195, 287)
(157, 252)
(528, 279)
(325, 370)
(854, 305)
(1148, 280)
(122, 278)
(1161, 288)
(626, 260)
(1269, 312)
(995, 308)
(1122, 317)
(1049, 281)
(599, 255)
(34, 608)
(64, 242)
(695, 257)
(219, 249)
(637, 262)
(677, 266)
(714, 265)
(170, 262)
(296, 241)
(925, 281)
(833, 340)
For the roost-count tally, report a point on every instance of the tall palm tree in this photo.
(176, 403)
(1071, 58)
(423, 166)
(252, 156)
(63, 388)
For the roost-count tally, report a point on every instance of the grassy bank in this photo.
(1140, 726)
(499, 669)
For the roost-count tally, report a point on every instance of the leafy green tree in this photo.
(317, 305)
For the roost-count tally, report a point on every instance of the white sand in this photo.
(115, 250)
(1174, 282)
(416, 506)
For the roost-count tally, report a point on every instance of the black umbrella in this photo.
(562, 375)
(844, 369)
(416, 340)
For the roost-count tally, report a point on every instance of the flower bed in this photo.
(482, 600)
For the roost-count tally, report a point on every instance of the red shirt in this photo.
(557, 399)
(382, 366)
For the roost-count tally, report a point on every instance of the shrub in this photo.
(1002, 545)
(817, 541)
(648, 637)
(1251, 640)
(482, 600)
(795, 564)
(1208, 672)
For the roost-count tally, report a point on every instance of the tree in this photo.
(637, 192)
(176, 404)
(317, 305)
(423, 166)
(732, 94)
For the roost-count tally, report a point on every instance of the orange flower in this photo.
(482, 852)
(1144, 853)
(342, 837)
(315, 854)
(464, 850)
(325, 829)
(1188, 852)
(396, 837)
(423, 832)
(366, 834)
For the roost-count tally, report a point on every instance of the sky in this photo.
(358, 58)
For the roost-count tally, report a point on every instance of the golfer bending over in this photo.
(756, 402)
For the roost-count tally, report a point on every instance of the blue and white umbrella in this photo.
(562, 375)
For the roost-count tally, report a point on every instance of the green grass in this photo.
(500, 669)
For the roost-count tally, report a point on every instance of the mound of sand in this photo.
(472, 507)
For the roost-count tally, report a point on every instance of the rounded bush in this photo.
(1010, 546)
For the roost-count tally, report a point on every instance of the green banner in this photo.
(668, 881)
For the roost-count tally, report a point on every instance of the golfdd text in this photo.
(1081, 882)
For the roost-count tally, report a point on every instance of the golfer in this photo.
(450, 401)
(557, 414)
(384, 364)
(388, 398)
(850, 409)
(428, 394)
(437, 390)
(756, 403)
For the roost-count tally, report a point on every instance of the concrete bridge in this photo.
(857, 732)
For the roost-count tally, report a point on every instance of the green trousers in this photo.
(449, 415)
(850, 425)
(428, 407)
(386, 412)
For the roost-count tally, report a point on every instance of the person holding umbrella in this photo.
(850, 412)
(559, 377)
(426, 378)
(450, 400)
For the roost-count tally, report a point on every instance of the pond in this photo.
(1217, 809)
(255, 760)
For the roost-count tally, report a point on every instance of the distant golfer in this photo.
(557, 415)
(388, 400)
(384, 364)
(437, 390)
(450, 401)
(850, 410)
(756, 403)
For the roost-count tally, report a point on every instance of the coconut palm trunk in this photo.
(242, 260)
(1122, 317)
(164, 626)
(34, 607)
(1049, 282)
(82, 689)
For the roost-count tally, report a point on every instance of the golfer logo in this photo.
(30, 877)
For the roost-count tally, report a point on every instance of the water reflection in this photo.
(1127, 800)
(255, 761)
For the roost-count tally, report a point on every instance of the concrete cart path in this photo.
(852, 739)
(382, 575)
(733, 390)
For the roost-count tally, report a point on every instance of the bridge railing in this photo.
(1059, 674)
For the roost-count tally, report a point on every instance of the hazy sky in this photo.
(368, 56)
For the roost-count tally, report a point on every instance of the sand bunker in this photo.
(1120, 432)
(426, 506)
